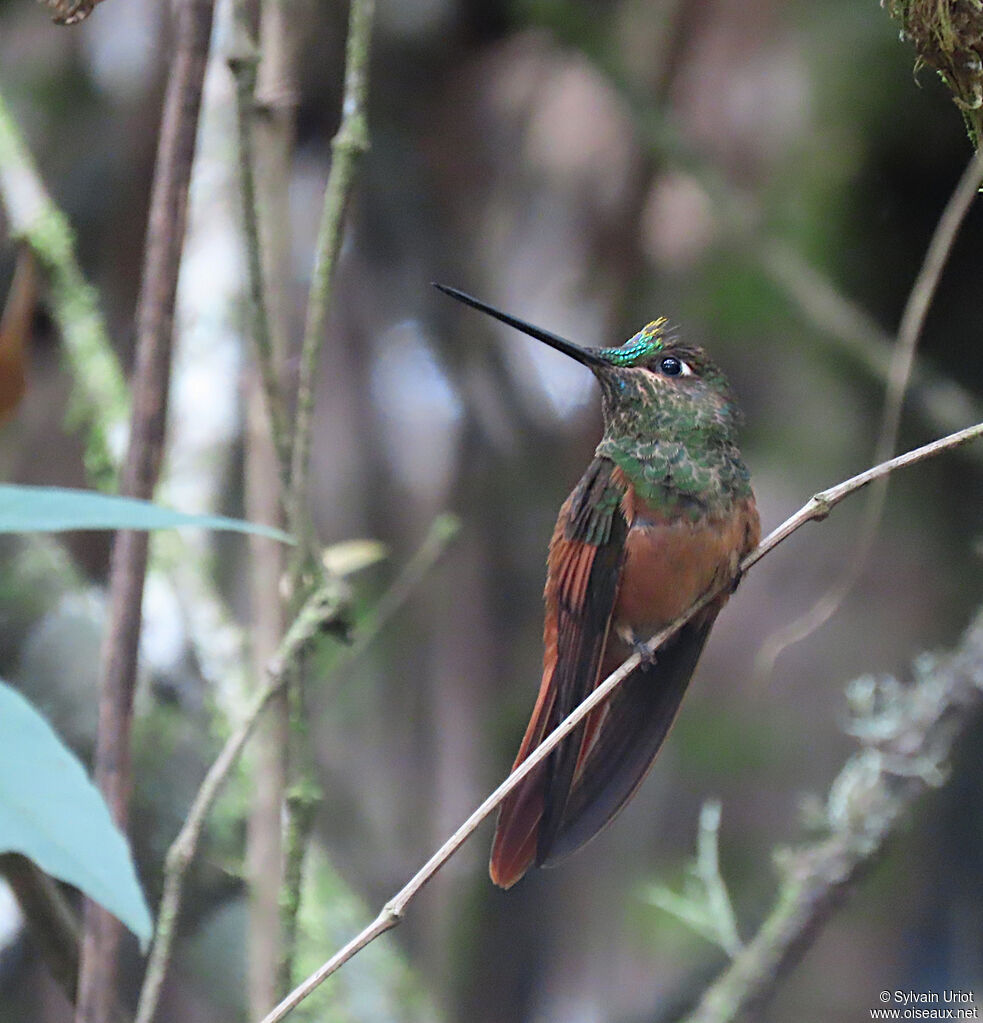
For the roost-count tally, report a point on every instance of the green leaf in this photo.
(59, 509)
(51, 812)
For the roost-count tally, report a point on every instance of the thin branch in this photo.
(320, 611)
(305, 795)
(347, 149)
(271, 124)
(817, 508)
(243, 63)
(49, 917)
(348, 146)
(899, 374)
(154, 317)
(908, 732)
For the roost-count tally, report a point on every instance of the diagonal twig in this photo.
(899, 374)
(817, 508)
(320, 610)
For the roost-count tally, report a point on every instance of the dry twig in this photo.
(817, 508)
(899, 374)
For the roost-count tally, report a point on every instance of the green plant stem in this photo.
(303, 800)
(305, 794)
(349, 144)
(243, 64)
(99, 395)
(347, 149)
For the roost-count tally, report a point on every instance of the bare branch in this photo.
(243, 63)
(269, 122)
(155, 311)
(899, 374)
(818, 507)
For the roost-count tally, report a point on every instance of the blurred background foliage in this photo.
(587, 166)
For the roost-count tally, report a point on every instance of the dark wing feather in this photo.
(583, 622)
(636, 721)
(586, 555)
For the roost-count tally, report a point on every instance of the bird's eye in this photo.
(670, 366)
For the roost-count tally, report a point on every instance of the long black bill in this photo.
(583, 355)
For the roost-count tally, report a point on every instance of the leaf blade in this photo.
(52, 813)
(29, 509)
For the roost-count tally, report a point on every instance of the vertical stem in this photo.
(272, 118)
(155, 311)
(263, 842)
(244, 63)
(349, 144)
(347, 148)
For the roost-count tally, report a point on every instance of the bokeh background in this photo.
(743, 167)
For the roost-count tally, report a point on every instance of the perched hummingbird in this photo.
(663, 513)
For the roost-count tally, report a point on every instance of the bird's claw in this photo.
(646, 655)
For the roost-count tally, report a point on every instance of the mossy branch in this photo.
(907, 732)
(99, 395)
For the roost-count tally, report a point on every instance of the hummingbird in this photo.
(663, 514)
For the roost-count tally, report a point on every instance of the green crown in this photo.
(647, 342)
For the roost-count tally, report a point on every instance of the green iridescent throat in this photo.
(678, 447)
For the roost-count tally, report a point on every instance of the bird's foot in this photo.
(647, 656)
(639, 646)
(736, 581)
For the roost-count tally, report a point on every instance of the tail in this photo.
(616, 751)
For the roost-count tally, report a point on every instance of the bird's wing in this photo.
(631, 728)
(585, 561)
